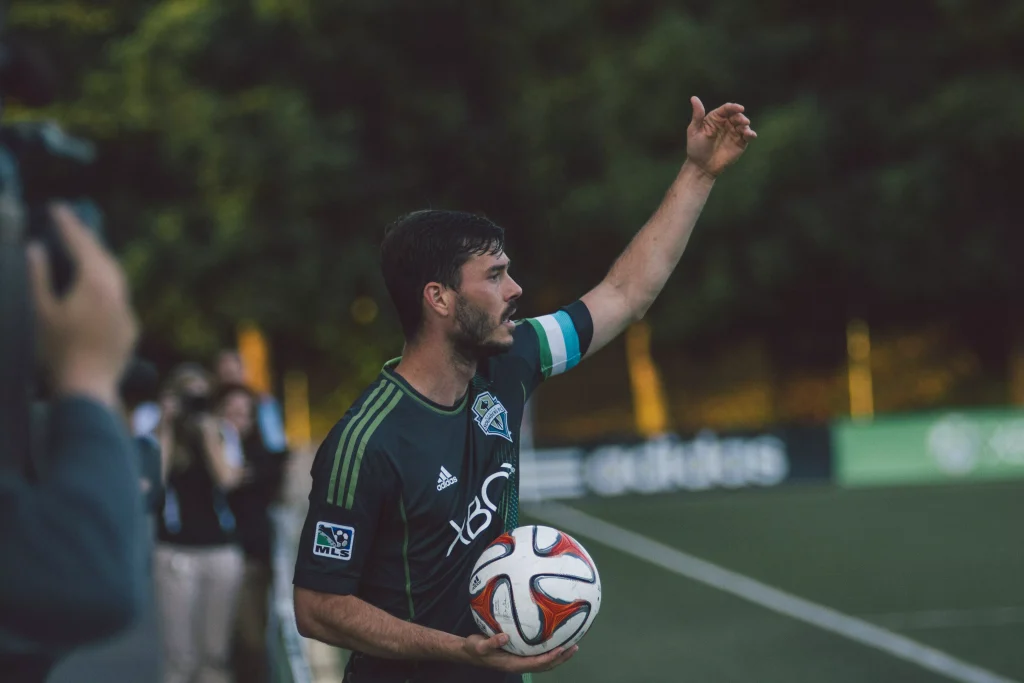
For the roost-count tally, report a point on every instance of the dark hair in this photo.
(140, 382)
(225, 390)
(431, 246)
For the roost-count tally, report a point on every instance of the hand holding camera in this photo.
(86, 336)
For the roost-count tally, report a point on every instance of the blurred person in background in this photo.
(140, 385)
(198, 564)
(231, 370)
(145, 417)
(71, 573)
(258, 420)
(250, 502)
(146, 412)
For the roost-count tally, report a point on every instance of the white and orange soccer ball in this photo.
(539, 586)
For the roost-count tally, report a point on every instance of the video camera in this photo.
(39, 165)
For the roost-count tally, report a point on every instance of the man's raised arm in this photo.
(713, 142)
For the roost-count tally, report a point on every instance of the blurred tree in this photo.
(253, 150)
(880, 184)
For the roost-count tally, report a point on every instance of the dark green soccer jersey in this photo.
(407, 493)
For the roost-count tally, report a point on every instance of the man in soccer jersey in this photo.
(421, 473)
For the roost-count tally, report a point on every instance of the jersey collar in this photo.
(388, 372)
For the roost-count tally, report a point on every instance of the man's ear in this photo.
(439, 298)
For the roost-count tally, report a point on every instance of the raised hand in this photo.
(715, 140)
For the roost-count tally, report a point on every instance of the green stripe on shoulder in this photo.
(354, 479)
(350, 443)
(359, 416)
(545, 347)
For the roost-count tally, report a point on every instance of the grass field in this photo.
(943, 566)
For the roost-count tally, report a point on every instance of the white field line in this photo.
(858, 630)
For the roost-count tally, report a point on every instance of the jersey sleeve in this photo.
(552, 344)
(352, 482)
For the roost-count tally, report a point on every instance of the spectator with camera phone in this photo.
(198, 563)
(72, 573)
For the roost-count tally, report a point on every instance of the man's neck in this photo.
(439, 374)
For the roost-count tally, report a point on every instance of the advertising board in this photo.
(706, 461)
(938, 447)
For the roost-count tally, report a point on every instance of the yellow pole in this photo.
(252, 347)
(296, 410)
(649, 405)
(858, 349)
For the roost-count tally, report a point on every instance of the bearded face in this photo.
(479, 332)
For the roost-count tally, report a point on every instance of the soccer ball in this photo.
(537, 585)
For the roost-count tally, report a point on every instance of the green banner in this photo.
(940, 447)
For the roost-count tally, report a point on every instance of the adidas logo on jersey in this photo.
(446, 479)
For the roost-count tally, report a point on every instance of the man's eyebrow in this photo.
(499, 267)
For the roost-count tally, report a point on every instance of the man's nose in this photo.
(515, 292)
